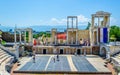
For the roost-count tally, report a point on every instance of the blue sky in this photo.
(54, 12)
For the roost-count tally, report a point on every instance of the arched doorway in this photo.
(103, 52)
(61, 51)
(44, 51)
(78, 51)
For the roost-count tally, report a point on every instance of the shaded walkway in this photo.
(82, 64)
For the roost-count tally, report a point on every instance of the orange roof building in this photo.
(61, 36)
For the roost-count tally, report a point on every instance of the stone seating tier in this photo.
(3, 56)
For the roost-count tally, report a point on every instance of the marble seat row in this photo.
(3, 56)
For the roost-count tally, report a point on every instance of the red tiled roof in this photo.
(61, 36)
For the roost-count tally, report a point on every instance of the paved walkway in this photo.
(72, 67)
(82, 64)
(48, 62)
(66, 63)
(23, 61)
(60, 64)
(98, 63)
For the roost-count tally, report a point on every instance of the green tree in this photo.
(0, 32)
(35, 36)
(3, 42)
(89, 24)
(115, 32)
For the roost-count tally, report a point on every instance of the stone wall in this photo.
(66, 50)
(83, 34)
(114, 49)
(95, 50)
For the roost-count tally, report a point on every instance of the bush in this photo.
(3, 42)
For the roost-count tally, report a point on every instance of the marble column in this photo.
(76, 38)
(108, 21)
(17, 52)
(93, 38)
(104, 22)
(108, 28)
(81, 51)
(90, 32)
(91, 50)
(46, 41)
(108, 55)
(51, 40)
(55, 39)
(92, 21)
(97, 38)
(20, 36)
(84, 51)
(15, 36)
(54, 51)
(98, 21)
(25, 37)
(108, 34)
(76, 22)
(67, 22)
(76, 51)
(72, 40)
(72, 22)
(67, 37)
(30, 36)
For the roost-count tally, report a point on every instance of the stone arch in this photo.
(103, 52)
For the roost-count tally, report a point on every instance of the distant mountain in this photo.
(48, 28)
(39, 28)
(6, 28)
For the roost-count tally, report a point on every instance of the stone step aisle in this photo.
(72, 67)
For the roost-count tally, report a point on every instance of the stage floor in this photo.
(89, 63)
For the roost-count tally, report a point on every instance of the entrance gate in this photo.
(78, 51)
(61, 51)
(44, 51)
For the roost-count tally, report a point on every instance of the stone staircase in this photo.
(117, 56)
(116, 61)
(4, 58)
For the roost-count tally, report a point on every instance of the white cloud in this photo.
(113, 21)
(82, 20)
(55, 21)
